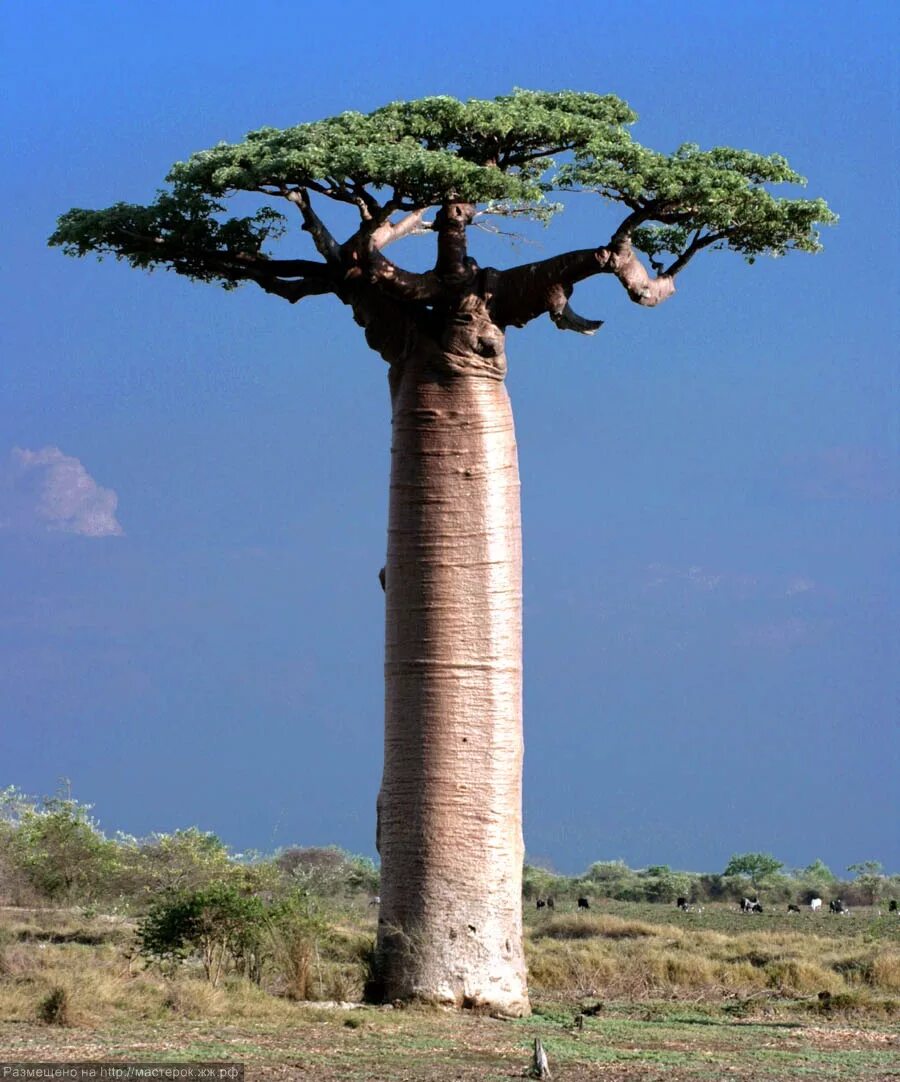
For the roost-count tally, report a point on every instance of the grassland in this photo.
(627, 991)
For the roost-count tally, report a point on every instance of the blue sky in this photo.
(193, 483)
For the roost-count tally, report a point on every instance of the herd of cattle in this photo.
(748, 905)
(752, 905)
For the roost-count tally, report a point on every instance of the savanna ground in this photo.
(626, 991)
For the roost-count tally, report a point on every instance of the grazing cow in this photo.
(892, 905)
(793, 908)
(550, 903)
(748, 905)
(815, 904)
(583, 903)
(540, 903)
(682, 903)
(837, 906)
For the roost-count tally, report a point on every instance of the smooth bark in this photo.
(450, 831)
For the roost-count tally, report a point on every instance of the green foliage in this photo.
(542, 883)
(179, 231)
(755, 866)
(327, 872)
(869, 877)
(219, 923)
(719, 195)
(661, 884)
(819, 871)
(297, 928)
(426, 151)
(183, 860)
(56, 846)
(232, 930)
(500, 153)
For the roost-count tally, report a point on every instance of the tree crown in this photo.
(467, 159)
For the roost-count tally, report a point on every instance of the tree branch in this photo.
(292, 291)
(389, 232)
(632, 273)
(527, 291)
(695, 246)
(403, 284)
(451, 223)
(325, 243)
(285, 268)
(392, 329)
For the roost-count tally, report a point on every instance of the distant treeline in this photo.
(53, 852)
(754, 875)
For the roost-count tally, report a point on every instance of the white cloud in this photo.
(47, 490)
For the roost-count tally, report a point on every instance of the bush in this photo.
(54, 1008)
(219, 924)
(185, 860)
(297, 930)
(327, 872)
(55, 847)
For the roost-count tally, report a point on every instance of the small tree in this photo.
(869, 878)
(327, 872)
(754, 866)
(220, 924)
(661, 884)
(819, 872)
(297, 928)
(57, 846)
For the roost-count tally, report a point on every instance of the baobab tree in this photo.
(449, 810)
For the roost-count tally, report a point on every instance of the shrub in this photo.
(185, 860)
(220, 924)
(297, 930)
(55, 846)
(327, 872)
(54, 1008)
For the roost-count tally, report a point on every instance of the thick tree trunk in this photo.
(450, 832)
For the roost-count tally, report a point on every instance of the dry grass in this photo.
(886, 971)
(573, 955)
(576, 926)
(835, 966)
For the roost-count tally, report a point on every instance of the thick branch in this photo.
(292, 279)
(695, 246)
(451, 223)
(388, 232)
(325, 243)
(292, 291)
(392, 328)
(403, 284)
(632, 273)
(527, 291)
(637, 217)
(286, 268)
(362, 262)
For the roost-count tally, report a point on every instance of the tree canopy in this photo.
(435, 165)
(756, 866)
